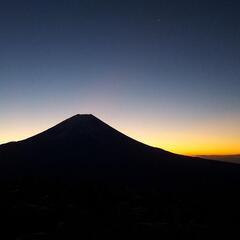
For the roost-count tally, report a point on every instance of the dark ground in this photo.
(90, 210)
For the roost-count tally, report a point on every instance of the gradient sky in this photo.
(164, 72)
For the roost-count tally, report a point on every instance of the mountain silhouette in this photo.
(84, 179)
(84, 146)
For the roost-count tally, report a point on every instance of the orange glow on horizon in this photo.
(186, 148)
(196, 147)
(190, 147)
(204, 140)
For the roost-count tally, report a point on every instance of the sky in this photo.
(163, 72)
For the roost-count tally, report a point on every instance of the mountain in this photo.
(84, 146)
(84, 179)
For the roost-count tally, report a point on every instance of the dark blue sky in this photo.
(171, 65)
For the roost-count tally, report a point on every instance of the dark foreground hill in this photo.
(84, 179)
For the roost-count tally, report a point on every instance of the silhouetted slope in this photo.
(84, 146)
(226, 158)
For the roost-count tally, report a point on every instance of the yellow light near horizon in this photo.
(192, 142)
(186, 148)
(196, 146)
(202, 150)
(16, 137)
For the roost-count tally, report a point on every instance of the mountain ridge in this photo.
(86, 126)
(83, 145)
